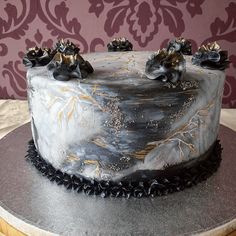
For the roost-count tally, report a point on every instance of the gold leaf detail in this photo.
(140, 155)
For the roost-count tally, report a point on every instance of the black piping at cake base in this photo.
(189, 176)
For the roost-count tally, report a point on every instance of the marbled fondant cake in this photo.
(118, 123)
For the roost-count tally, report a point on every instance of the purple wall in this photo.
(148, 24)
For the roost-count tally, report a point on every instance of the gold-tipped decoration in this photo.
(120, 44)
(181, 45)
(37, 56)
(210, 47)
(210, 56)
(167, 66)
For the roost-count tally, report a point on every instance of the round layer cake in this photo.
(118, 125)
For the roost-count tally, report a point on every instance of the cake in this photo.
(125, 123)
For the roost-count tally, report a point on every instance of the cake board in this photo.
(34, 204)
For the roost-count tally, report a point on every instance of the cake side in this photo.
(116, 121)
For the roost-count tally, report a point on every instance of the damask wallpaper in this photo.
(148, 24)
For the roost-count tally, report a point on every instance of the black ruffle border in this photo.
(155, 187)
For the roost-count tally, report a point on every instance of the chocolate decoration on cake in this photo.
(211, 56)
(167, 66)
(37, 57)
(85, 67)
(180, 45)
(119, 44)
(64, 60)
(67, 63)
(65, 67)
(67, 48)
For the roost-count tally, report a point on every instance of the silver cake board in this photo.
(28, 197)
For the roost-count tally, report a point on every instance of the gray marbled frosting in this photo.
(116, 121)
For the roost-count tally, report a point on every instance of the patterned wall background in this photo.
(91, 24)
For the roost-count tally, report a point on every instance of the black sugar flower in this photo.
(211, 56)
(68, 63)
(37, 57)
(66, 67)
(119, 44)
(165, 66)
(64, 60)
(180, 45)
(66, 47)
(85, 66)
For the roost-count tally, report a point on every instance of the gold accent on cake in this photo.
(59, 114)
(99, 142)
(72, 157)
(93, 162)
(67, 59)
(210, 47)
(140, 155)
(73, 103)
(188, 129)
(95, 88)
(86, 97)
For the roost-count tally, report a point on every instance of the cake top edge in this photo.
(167, 65)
